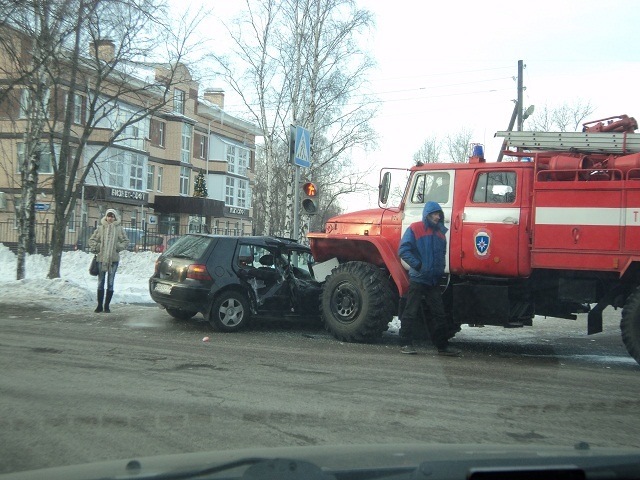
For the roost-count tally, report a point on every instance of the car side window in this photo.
(495, 187)
(254, 256)
(245, 257)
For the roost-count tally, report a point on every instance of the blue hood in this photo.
(430, 207)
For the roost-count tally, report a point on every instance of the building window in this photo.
(136, 178)
(77, 109)
(203, 147)
(46, 163)
(185, 151)
(237, 160)
(156, 132)
(160, 172)
(116, 169)
(242, 194)
(185, 180)
(151, 170)
(231, 159)
(229, 194)
(178, 100)
(72, 221)
(243, 161)
(26, 107)
(161, 134)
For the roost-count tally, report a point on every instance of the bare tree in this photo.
(106, 91)
(429, 152)
(457, 145)
(563, 118)
(32, 34)
(298, 62)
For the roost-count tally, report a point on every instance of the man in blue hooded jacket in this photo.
(423, 247)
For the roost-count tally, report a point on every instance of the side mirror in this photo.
(383, 188)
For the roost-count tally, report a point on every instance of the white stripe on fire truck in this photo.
(581, 216)
(558, 215)
(491, 215)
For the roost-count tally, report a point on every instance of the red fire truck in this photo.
(554, 231)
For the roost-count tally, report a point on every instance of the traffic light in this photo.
(310, 198)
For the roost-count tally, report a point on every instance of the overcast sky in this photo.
(443, 66)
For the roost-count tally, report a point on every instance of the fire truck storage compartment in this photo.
(584, 216)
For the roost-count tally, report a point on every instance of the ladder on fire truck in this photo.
(588, 142)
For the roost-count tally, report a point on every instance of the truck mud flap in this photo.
(481, 304)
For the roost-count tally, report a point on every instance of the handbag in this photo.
(93, 268)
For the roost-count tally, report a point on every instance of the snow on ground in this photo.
(75, 287)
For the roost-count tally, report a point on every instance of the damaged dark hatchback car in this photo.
(232, 280)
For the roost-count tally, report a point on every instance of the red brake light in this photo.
(198, 272)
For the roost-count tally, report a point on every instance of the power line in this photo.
(229, 107)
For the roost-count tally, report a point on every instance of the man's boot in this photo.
(100, 297)
(107, 301)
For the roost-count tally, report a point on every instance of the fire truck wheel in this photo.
(357, 302)
(630, 324)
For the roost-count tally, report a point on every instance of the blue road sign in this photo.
(302, 148)
(42, 207)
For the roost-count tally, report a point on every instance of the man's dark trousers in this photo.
(436, 317)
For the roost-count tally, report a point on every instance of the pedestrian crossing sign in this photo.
(302, 148)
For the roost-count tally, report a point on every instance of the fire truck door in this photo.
(427, 186)
(490, 226)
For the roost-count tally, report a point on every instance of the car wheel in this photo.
(180, 314)
(229, 312)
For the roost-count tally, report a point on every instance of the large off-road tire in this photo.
(230, 312)
(180, 314)
(357, 302)
(630, 324)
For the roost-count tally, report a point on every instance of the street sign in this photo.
(42, 207)
(302, 148)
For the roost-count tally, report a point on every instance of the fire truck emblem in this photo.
(482, 240)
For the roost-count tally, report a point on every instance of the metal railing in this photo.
(153, 238)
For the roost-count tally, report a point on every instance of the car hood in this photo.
(434, 462)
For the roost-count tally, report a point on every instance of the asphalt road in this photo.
(80, 387)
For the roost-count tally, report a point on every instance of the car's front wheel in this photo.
(229, 312)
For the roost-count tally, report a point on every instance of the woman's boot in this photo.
(100, 297)
(107, 301)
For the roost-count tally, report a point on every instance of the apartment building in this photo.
(148, 175)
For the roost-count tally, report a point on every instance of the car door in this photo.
(261, 268)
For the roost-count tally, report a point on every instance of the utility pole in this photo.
(520, 90)
(517, 110)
